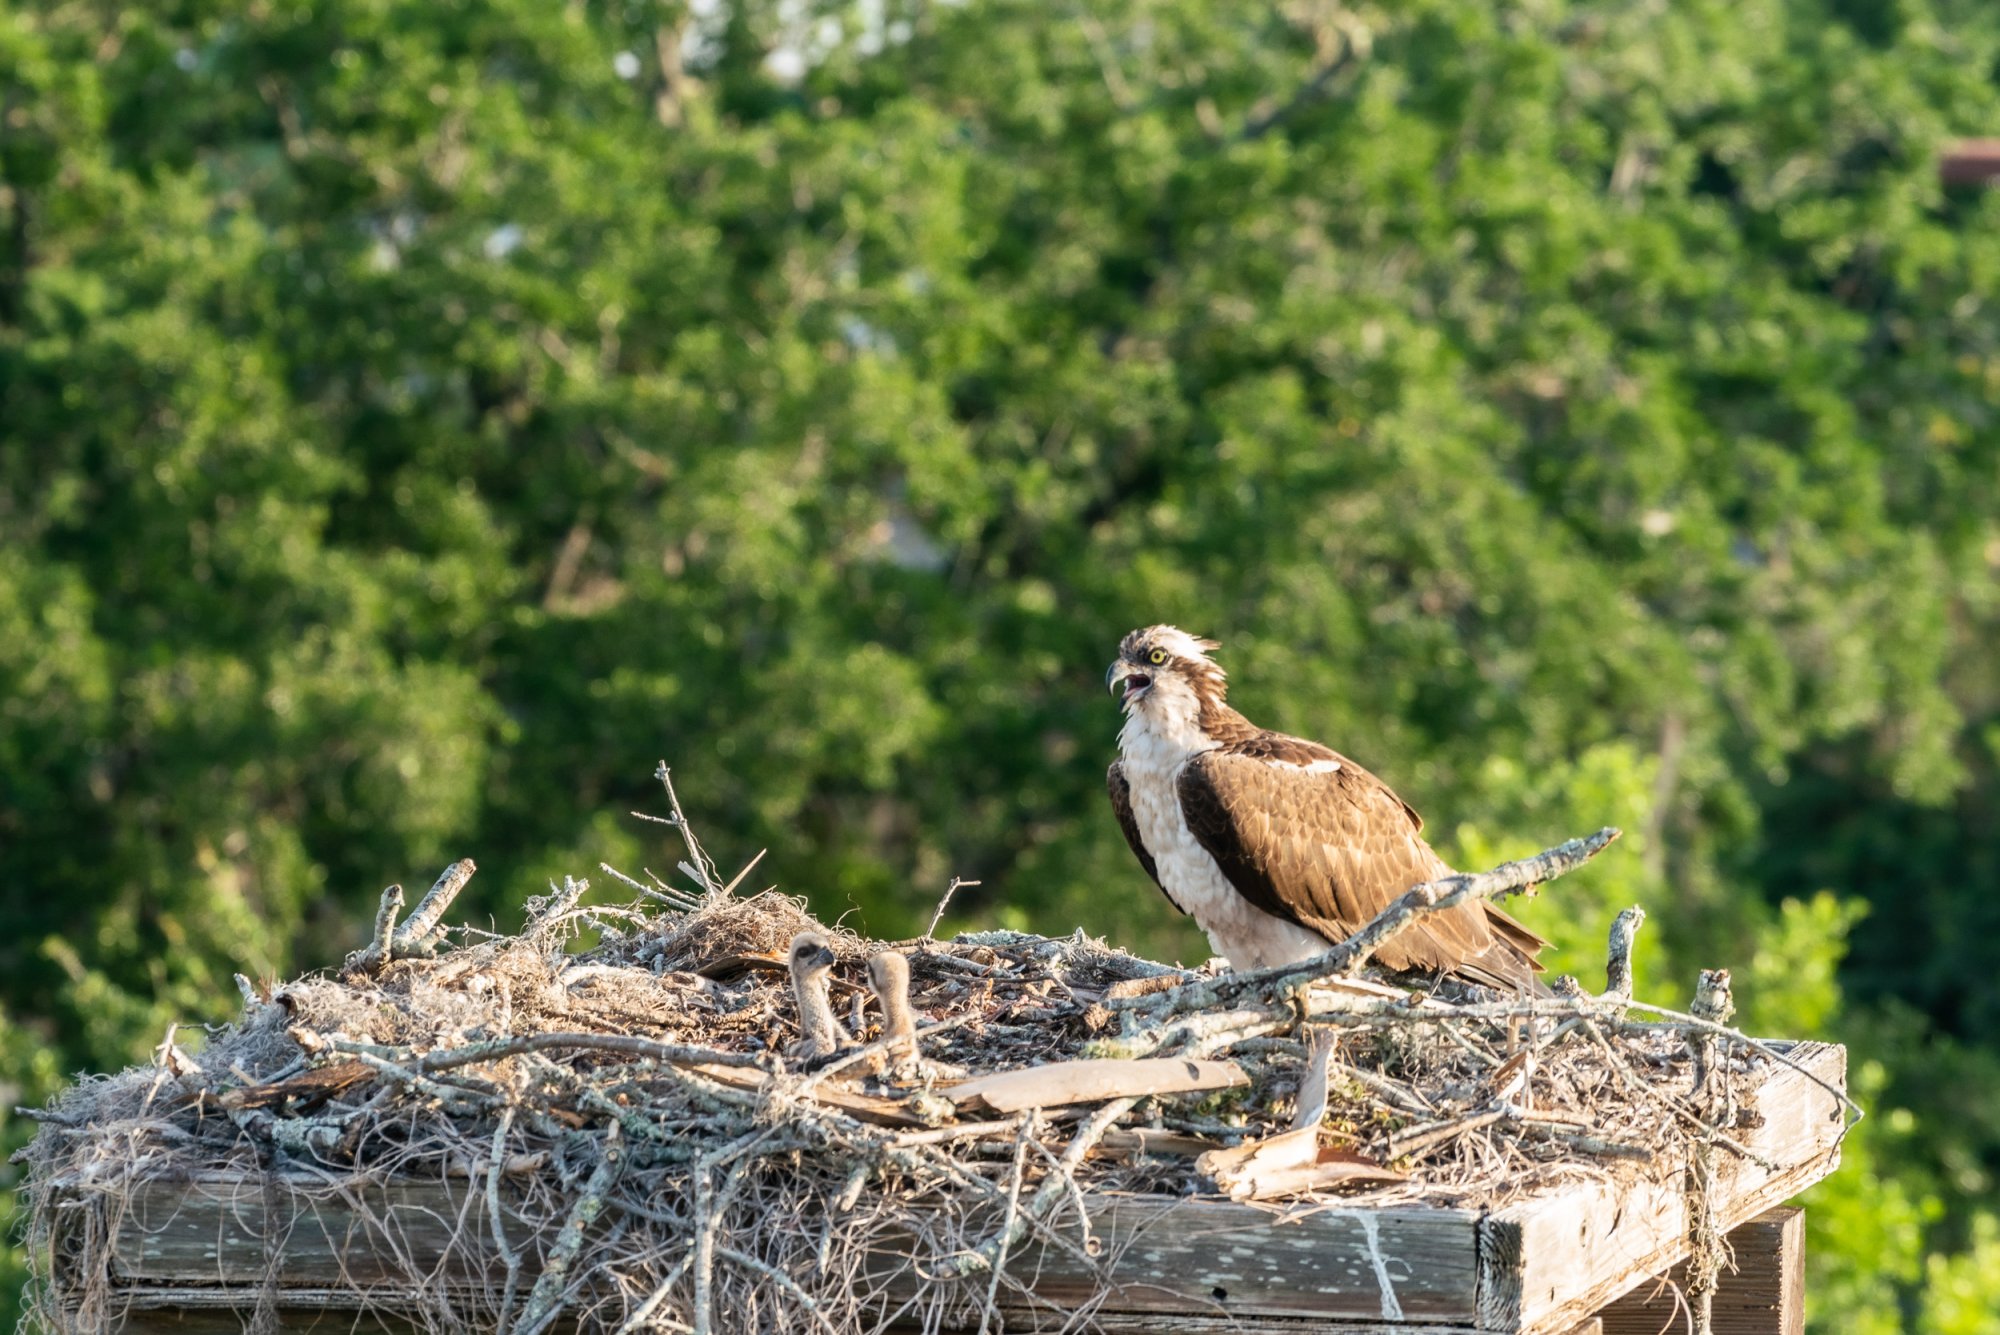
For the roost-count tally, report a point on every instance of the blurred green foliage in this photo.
(417, 418)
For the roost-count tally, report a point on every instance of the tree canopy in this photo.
(416, 419)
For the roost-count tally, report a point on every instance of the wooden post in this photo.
(1763, 1295)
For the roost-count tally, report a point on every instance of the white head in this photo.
(1167, 683)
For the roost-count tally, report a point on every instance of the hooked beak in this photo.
(819, 957)
(1134, 680)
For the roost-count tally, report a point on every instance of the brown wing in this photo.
(1330, 848)
(1121, 805)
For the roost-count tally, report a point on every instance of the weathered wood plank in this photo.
(1230, 1261)
(1549, 1263)
(198, 1312)
(1763, 1295)
(1171, 1256)
(224, 1231)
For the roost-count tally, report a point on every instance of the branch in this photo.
(545, 1302)
(630, 1044)
(417, 929)
(1618, 960)
(382, 948)
(1274, 983)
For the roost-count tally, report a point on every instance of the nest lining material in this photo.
(639, 1099)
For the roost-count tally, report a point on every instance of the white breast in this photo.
(1240, 932)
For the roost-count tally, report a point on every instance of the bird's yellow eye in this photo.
(1157, 657)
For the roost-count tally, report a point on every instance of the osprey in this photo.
(1278, 846)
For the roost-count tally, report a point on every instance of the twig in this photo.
(880, 1047)
(545, 911)
(672, 898)
(937, 916)
(1423, 1138)
(708, 1221)
(1086, 1138)
(1449, 892)
(782, 1280)
(748, 867)
(703, 871)
(1007, 1220)
(497, 1219)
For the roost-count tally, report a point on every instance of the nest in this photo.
(644, 1098)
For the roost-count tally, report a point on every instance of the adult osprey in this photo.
(1278, 846)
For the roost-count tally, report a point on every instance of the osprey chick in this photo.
(1278, 846)
(810, 962)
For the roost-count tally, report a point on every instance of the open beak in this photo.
(1133, 680)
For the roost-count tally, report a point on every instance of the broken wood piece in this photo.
(1618, 954)
(1092, 1080)
(1311, 1110)
(1328, 1170)
(1132, 1141)
(1129, 989)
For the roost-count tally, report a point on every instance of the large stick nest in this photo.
(638, 1108)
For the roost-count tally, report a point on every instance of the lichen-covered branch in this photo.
(1272, 985)
(416, 933)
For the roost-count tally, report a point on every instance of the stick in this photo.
(880, 1046)
(1274, 983)
(671, 898)
(930, 932)
(417, 930)
(703, 871)
(1618, 959)
(748, 867)
(495, 1218)
(382, 949)
(1425, 1137)
(545, 1302)
(678, 1054)
(1007, 1220)
(782, 1280)
(544, 911)
(1449, 892)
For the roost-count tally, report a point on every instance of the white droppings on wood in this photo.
(1392, 1310)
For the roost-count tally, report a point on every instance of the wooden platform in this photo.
(193, 1256)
